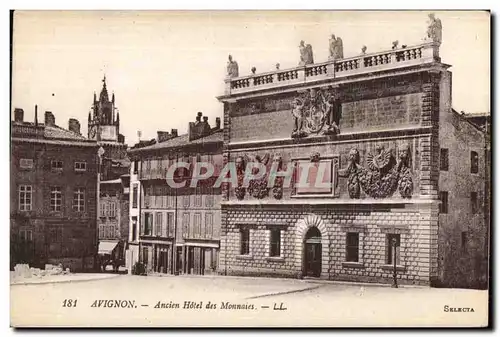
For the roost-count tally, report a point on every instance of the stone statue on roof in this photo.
(434, 29)
(232, 68)
(306, 54)
(336, 48)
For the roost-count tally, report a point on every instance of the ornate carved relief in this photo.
(382, 177)
(240, 171)
(316, 111)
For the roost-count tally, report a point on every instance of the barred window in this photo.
(244, 241)
(390, 248)
(25, 197)
(444, 160)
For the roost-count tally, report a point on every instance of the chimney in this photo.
(163, 136)
(18, 115)
(50, 120)
(217, 123)
(198, 129)
(74, 125)
(174, 133)
(36, 115)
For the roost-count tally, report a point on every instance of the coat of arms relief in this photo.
(316, 111)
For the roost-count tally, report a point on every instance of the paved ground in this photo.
(229, 301)
(58, 278)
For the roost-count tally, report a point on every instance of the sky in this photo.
(164, 66)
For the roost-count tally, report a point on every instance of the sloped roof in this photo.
(56, 132)
(181, 141)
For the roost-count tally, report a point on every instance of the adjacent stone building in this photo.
(175, 230)
(372, 129)
(53, 194)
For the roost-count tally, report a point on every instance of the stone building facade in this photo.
(370, 127)
(53, 194)
(175, 230)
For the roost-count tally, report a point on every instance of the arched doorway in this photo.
(312, 253)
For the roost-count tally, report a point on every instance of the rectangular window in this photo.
(145, 253)
(148, 223)
(26, 163)
(112, 210)
(134, 228)
(209, 200)
(275, 242)
(443, 159)
(25, 197)
(55, 235)
(244, 241)
(464, 240)
(134, 196)
(55, 199)
(102, 210)
(80, 166)
(209, 225)
(185, 225)
(197, 225)
(101, 232)
(474, 162)
(443, 206)
(198, 198)
(26, 235)
(185, 201)
(170, 221)
(352, 245)
(56, 165)
(158, 223)
(474, 203)
(135, 167)
(390, 240)
(79, 200)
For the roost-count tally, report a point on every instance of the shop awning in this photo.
(107, 247)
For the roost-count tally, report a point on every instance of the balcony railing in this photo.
(367, 63)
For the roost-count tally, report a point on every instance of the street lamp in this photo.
(394, 243)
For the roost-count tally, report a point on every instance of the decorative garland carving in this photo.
(240, 191)
(383, 175)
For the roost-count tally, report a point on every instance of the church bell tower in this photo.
(104, 120)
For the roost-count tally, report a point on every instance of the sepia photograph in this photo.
(258, 168)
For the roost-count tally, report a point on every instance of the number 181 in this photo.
(68, 303)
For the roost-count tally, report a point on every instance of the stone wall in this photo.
(373, 223)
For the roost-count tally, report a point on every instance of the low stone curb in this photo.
(63, 281)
